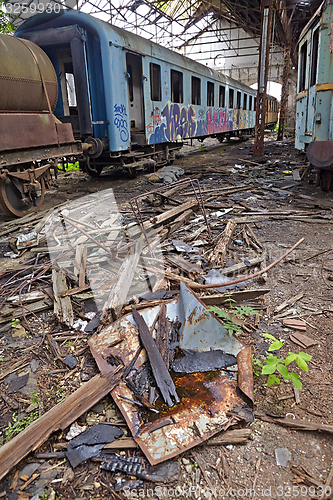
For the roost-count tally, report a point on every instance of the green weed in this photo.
(16, 426)
(279, 366)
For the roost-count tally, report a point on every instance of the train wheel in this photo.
(11, 200)
(92, 172)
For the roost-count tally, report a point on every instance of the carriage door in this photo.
(310, 122)
(135, 97)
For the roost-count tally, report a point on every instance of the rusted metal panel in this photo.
(8, 158)
(19, 131)
(20, 76)
(209, 401)
(65, 133)
(25, 130)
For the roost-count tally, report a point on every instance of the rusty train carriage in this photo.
(75, 86)
(29, 132)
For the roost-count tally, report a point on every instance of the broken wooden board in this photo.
(59, 417)
(161, 374)
(242, 266)
(242, 296)
(8, 312)
(163, 218)
(301, 425)
(236, 436)
(295, 324)
(62, 305)
(289, 302)
(120, 289)
(302, 340)
(217, 254)
(184, 264)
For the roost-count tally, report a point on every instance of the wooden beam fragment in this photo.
(217, 254)
(160, 372)
(235, 436)
(62, 305)
(120, 289)
(59, 417)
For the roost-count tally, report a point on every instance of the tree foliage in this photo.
(6, 19)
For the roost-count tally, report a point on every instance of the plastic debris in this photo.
(282, 455)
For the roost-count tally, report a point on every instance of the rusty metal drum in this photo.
(23, 68)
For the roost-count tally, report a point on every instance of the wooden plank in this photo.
(179, 221)
(162, 335)
(163, 218)
(160, 372)
(184, 264)
(301, 425)
(62, 305)
(9, 312)
(120, 289)
(59, 417)
(289, 302)
(230, 437)
(220, 299)
(242, 266)
(217, 254)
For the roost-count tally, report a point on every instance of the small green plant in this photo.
(15, 321)
(236, 311)
(70, 342)
(16, 426)
(202, 147)
(275, 364)
(34, 397)
(71, 167)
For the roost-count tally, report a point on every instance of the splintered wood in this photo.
(59, 417)
(217, 254)
(62, 304)
(160, 372)
(120, 289)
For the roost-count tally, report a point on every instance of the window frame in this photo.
(174, 72)
(222, 94)
(152, 82)
(194, 98)
(210, 94)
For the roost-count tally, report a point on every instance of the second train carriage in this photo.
(131, 99)
(314, 108)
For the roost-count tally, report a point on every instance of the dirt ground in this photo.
(299, 209)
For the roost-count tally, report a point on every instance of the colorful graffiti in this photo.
(120, 121)
(178, 123)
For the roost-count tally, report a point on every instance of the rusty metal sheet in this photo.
(209, 400)
(65, 133)
(20, 131)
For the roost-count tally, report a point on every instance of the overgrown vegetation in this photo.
(6, 19)
(275, 364)
(234, 312)
(15, 426)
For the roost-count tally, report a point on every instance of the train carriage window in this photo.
(250, 102)
(245, 101)
(210, 94)
(231, 98)
(255, 104)
(196, 90)
(314, 59)
(155, 82)
(176, 86)
(239, 95)
(302, 72)
(222, 97)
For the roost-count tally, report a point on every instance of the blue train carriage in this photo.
(314, 109)
(132, 101)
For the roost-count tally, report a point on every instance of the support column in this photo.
(265, 40)
(285, 91)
